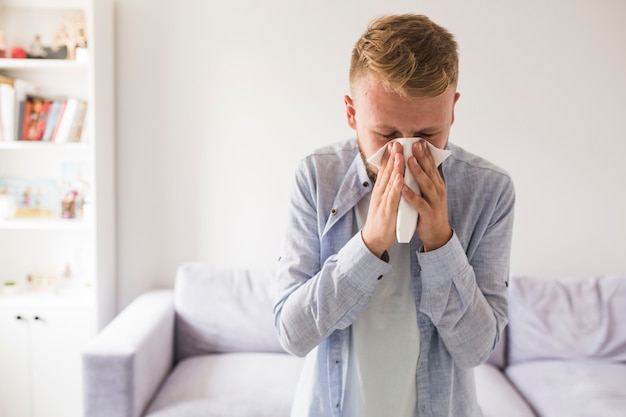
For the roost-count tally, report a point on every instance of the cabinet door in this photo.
(14, 364)
(57, 339)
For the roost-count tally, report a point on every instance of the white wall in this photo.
(218, 100)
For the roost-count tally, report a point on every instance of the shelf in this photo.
(62, 297)
(46, 146)
(42, 64)
(49, 4)
(45, 224)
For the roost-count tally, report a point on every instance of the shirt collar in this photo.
(354, 186)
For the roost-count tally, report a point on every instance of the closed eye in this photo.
(388, 136)
(424, 135)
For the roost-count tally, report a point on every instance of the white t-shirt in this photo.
(384, 344)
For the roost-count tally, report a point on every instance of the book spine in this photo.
(51, 123)
(22, 89)
(67, 120)
(42, 119)
(78, 122)
(7, 110)
(27, 127)
(55, 132)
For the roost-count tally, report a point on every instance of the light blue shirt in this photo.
(327, 276)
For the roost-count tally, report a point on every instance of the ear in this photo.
(350, 111)
(456, 98)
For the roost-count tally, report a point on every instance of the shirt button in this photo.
(380, 277)
(366, 184)
(333, 211)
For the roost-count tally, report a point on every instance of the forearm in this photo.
(311, 306)
(468, 304)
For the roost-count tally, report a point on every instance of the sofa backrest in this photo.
(567, 319)
(223, 310)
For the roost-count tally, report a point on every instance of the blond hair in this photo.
(409, 53)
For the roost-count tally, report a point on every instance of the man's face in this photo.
(379, 116)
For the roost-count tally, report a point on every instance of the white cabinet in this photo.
(41, 334)
(14, 364)
(42, 338)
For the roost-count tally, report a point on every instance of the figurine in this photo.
(71, 34)
(36, 49)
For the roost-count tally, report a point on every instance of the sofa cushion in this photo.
(223, 310)
(572, 388)
(229, 385)
(497, 397)
(567, 319)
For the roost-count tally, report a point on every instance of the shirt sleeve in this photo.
(465, 296)
(315, 297)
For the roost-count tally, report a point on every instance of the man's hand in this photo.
(433, 226)
(379, 231)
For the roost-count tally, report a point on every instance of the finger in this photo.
(425, 158)
(394, 194)
(425, 171)
(386, 167)
(398, 170)
(414, 199)
(424, 181)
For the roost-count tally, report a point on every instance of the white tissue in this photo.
(407, 215)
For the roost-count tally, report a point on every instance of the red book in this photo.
(26, 121)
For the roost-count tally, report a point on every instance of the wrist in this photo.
(437, 243)
(376, 249)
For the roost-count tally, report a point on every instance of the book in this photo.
(7, 108)
(76, 130)
(66, 121)
(58, 121)
(71, 122)
(53, 117)
(42, 121)
(13, 92)
(35, 116)
(39, 117)
(25, 126)
(22, 89)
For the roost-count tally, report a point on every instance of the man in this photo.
(394, 329)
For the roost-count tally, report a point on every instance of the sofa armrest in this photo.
(497, 397)
(125, 364)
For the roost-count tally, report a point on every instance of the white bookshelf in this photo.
(82, 305)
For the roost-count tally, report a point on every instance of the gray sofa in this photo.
(208, 348)
(564, 352)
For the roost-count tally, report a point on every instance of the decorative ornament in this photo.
(71, 34)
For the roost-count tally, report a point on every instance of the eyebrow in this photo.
(426, 130)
